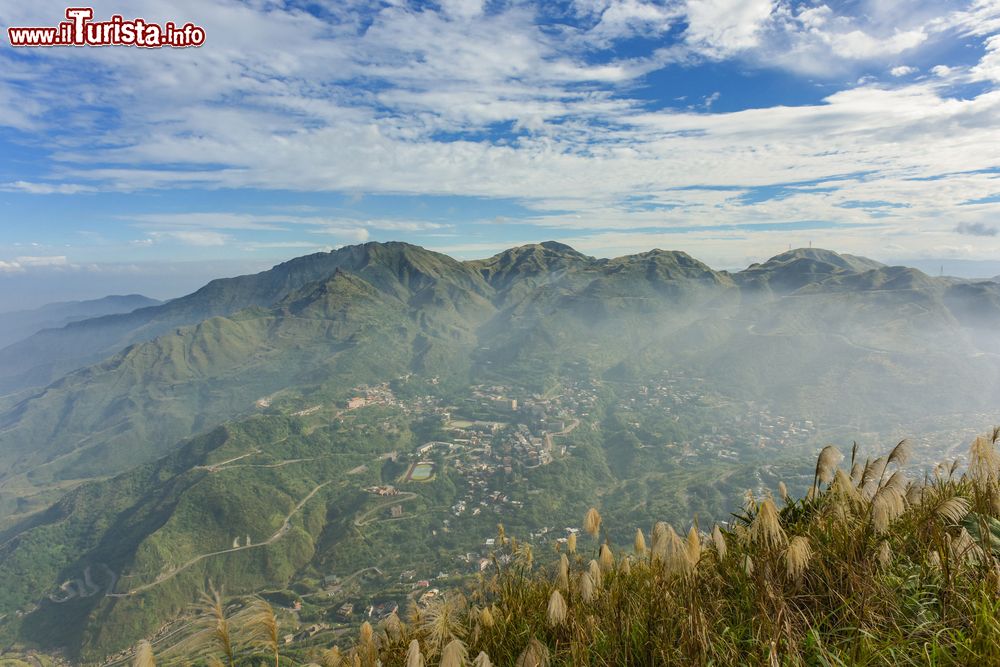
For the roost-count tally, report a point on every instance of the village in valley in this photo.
(489, 444)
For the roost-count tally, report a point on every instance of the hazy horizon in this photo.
(33, 288)
(728, 129)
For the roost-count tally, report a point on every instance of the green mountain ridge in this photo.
(99, 479)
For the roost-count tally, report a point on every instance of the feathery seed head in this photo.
(884, 554)
(556, 612)
(844, 489)
(393, 626)
(562, 578)
(455, 654)
(693, 546)
(887, 506)
(766, 528)
(625, 568)
(414, 658)
(486, 617)
(984, 462)
(659, 535)
(592, 522)
(748, 565)
(606, 560)
(900, 454)
(367, 633)
(783, 491)
(586, 587)
(482, 660)
(952, 510)
(857, 472)
(827, 462)
(536, 654)
(640, 542)
(571, 543)
(719, 541)
(915, 494)
(594, 570)
(332, 658)
(871, 476)
(899, 481)
(797, 557)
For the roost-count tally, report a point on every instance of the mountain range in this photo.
(113, 425)
(19, 324)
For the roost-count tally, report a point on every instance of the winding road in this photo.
(406, 496)
(166, 576)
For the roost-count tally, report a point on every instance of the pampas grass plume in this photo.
(592, 522)
(556, 612)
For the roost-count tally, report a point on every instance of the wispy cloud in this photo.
(975, 229)
(530, 102)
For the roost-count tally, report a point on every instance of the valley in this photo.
(353, 446)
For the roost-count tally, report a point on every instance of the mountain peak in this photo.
(797, 268)
(852, 263)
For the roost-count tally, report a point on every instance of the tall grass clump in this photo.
(871, 567)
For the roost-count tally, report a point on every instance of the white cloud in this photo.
(24, 263)
(193, 238)
(988, 68)
(240, 114)
(723, 27)
(902, 70)
(47, 188)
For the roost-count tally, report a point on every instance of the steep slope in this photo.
(50, 354)
(138, 548)
(416, 313)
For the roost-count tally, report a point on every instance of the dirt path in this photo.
(406, 496)
(166, 576)
(566, 431)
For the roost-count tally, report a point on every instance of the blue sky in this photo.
(727, 128)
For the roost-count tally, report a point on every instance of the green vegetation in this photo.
(222, 444)
(869, 568)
